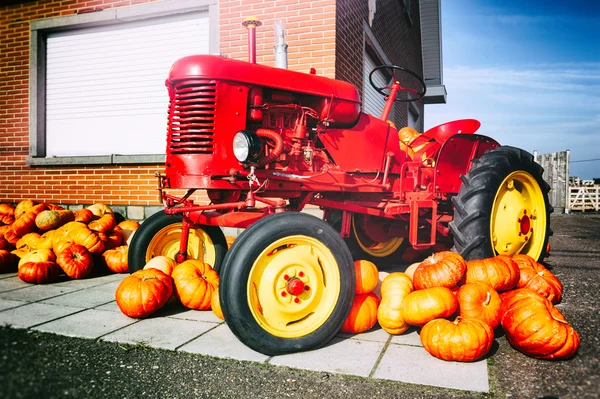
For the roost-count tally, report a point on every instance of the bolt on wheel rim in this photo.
(166, 242)
(293, 286)
(518, 218)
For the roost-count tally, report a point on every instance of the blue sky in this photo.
(529, 70)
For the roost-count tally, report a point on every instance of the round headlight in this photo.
(246, 146)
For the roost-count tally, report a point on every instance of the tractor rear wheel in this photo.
(160, 234)
(502, 207)
(287, 284)
(384, 252)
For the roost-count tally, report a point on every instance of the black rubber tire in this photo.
(382, 262)
(238, 264)
(474, 203)
(148, 229)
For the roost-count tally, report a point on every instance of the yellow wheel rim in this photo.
(293, 286)
(518, 219)
(166, 243)
(376, 249)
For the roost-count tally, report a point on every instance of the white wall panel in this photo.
(105, 87)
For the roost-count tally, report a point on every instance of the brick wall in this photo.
(310, 32)
(400, 41)
(311, 39)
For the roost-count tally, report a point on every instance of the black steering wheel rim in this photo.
(420, 93)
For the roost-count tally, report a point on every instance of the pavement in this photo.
(196, 351)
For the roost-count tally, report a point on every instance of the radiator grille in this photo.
(192, 117)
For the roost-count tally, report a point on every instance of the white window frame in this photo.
(41, 28)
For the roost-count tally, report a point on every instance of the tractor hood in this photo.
(226, 69)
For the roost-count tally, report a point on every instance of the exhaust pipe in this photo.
(251, 23)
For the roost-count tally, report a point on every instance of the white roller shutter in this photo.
(105, 87)
(373, 101)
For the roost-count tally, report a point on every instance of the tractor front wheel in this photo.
(160, 234)
(502, 207)
(287, 284)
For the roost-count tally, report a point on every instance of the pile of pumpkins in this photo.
(457, 305)
(42, 241)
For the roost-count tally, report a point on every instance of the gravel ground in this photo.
(35, 365)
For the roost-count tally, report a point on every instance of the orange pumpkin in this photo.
(7, 214)
(39, 255)
(45, 241)
(500, 272)
(215, 305)
(106, 223)
(363, 314)
(88, 239)
(126, 228)
(410, 270)
(83, 216)
(443, 269)
(26, 223)
(230, 240)
(111, 239)
(62, 234)
(421, 306)
(116, 259)
(8, 261)
(99, 210)
(394, 288)
(38, 272)
(367, 276)
(143, 293)
(479, 301)
(11, 236)
(76, 261)
(461, 340)
(535, 327)
(536, 277)
(29, 242)
(195, 282)
(162, 263)
(4, 244)
(22, 207)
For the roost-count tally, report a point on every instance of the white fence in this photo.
(584, 198)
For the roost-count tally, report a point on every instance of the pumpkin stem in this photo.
(457, 320)
(148, 278)
(488, 298)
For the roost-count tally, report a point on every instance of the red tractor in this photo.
(266, 142)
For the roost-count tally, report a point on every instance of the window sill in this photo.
(113, 159)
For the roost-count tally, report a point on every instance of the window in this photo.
(99, 87)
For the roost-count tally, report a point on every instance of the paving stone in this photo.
(220, 342)
(135, 212)
(12, 283)
(414, 365)
(345, 356)
(376, 334)
(75, 207)
(88, 297)
(8, 304)
(109, 307)
(160, 332)
(90, 282)
(88, 324)
(34, 293)
(151, 210)
(180, 312)
(7, 275)
(410, 337)
(33, 314)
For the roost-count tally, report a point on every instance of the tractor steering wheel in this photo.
(412, 94)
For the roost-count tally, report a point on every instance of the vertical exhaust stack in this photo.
(251, 23)
(280, 45)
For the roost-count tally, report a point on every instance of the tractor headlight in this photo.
(246, 146)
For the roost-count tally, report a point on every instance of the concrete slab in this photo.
(8, 275)
(109, 307)
(180, 312)
(161, 332)
(9, 304)
(34, 314)
(220, 342)
(345, 356)
(414, 365)
(87, 324)
(376, 334)
(88, 297)
(12, 283)
(410, 337)
(90, 282)
(34, 293)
